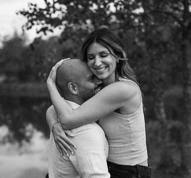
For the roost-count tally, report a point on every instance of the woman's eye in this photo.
(104, 54)
(90, 57)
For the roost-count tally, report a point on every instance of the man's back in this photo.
(90, 156)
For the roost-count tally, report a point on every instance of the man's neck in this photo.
(74, 99)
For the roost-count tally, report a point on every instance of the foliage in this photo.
(24, 69)
(156, 35)
(148, 29)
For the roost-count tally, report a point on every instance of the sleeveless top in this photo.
(126, 136)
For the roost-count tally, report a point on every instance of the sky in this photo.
(11, 22)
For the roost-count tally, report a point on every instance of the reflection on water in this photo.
(30, 161)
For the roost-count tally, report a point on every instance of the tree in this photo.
(24, 97)
(156, 30)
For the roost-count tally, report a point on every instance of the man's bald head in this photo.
(70, 70)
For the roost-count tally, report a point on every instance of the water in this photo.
(30, 161)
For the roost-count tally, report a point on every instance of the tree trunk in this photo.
(186, 120)
(186, 137)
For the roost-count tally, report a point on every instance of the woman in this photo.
(118, 104)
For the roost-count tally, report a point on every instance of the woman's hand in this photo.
(52, 76)
(64, 145)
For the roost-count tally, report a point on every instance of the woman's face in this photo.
(101, 62)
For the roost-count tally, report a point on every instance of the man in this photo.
(76, 83)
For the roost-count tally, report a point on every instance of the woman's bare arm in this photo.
(63, 143)
(109, 99)
(106, 101)
(51, 117)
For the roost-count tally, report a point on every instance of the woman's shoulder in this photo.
(129, 81)
(134, 96)
(125, 88)
(128, 84)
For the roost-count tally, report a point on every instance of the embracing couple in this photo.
(96, 119)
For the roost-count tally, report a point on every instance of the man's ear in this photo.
(73, 88)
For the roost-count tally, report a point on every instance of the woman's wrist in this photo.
(51, 83)
(54, 126)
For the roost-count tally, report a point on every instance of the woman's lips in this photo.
(100, 69)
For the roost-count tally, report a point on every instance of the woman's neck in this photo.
(109, 80)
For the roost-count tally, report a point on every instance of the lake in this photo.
(30, 161)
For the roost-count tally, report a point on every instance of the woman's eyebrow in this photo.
(103, 51)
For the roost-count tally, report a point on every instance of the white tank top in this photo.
(126, 137)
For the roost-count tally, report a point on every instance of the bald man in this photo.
(76, 83)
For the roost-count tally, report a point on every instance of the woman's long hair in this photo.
(106, 38)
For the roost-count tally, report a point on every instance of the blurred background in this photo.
(35, 34)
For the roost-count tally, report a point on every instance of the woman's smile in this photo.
(100, 69)
(101, 62)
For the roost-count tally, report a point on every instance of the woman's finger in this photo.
(64, 144)
(52, 74)
(58, 148)
(62, 150)
(61, 139)
(55, 67)
(69, 133)
(65, 59)
(64, 136)
(68, 141)
(68, 145)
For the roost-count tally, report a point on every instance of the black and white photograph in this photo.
(95, 89)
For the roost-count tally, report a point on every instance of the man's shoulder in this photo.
(89, 132)
(92, 127)
(90, 137)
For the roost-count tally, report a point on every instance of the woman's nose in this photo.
(97, 61)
